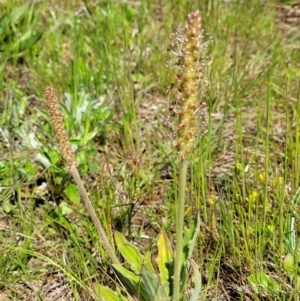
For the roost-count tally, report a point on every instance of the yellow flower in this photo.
(271, 227)
(239, 166)
(211, 200)
(280, 180)
(253, 196)
(262, 177)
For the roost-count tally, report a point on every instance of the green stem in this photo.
(179, 229)
(89, 207)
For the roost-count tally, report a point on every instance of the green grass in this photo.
(107, 62)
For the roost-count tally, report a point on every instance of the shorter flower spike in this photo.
(57, 122)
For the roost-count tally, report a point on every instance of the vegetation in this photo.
(125, 116)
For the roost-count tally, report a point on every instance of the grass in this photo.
(107, 61)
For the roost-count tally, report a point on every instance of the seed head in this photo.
(188, 50)
(57, 122)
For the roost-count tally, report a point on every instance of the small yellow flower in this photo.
(253, 196)
(280, 180)
(271, 227)
(239, 166)
(211, 200)
(262, 177)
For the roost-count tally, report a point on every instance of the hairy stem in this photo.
(89, 207)
(179, 229)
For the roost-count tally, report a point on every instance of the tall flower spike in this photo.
(57, 122)
(188, 109)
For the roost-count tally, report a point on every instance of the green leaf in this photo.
(65, 208)
(7, 207)
(147, 285)
(131, 254)
(151, 287)
(261, 282)
(165, 261)
(190, 238)
(296, 281)
(288, 263)
(105, 294)
(292, 269)
(14, 16)
(129, 279)
(72, 193)
(189, 241)
(148, 263)
(19, 12)
(196, 279)
(28, 40)
(259, 279)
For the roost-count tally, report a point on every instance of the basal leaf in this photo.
(151, 287)
(147, 262)
(105, 294)
(20, 11)
(129, 279)
(165, 261)
(196, 279)
(261, 282)
(190, 238)
(189, 241)
(14, 16)
(130, 253)
(288, 263)
(72, 193)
